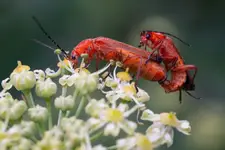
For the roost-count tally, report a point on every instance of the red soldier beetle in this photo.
(170, 56)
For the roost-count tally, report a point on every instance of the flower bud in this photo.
(26, 128)
(38, 113)
(39, 74)
(21, 78)
(45, 89)
(64, 103)
(86, 82)
(13, 109)
(17, 109)
(67, 80)
(24, 144)
(5, 103)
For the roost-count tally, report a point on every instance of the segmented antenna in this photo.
(49, 37)
(166, 33)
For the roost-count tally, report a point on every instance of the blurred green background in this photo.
(200, 22)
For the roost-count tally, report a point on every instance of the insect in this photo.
(102, 48)
(170, 56)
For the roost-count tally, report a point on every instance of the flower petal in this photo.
(111, 129)
(149, 115)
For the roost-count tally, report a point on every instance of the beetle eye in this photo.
(147, 36)
(73, 57)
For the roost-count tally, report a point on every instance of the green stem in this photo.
(6, 123)
(96, 136)
(80, 107)
(62, 114)
(33, 138)
(29, 98)
(40, 129)
(75, 95)
(49, 107)
(67, 113)
(74, 98)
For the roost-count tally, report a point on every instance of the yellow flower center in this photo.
(65, 62)
(21, 68)
(169, 119)
(82, 70)
(114, 115)
(129, 89)
(124, 76)
(143, 142)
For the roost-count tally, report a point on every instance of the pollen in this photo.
(114, 115)
(21, 68)
(124, 76)
(84, 70)
(64, 62)
(143, 142)
(169, 119)
(129, 89)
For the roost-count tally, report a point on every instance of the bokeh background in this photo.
(200, 22)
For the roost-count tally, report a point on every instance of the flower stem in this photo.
(96, 136)
(29, 98)
(62, 114)
(49, 107)
(74, 98)
(40, 129)
(6, 123)
(80, 107)
(75, 95)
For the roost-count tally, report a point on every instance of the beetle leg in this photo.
(187, 68)
(170, 62)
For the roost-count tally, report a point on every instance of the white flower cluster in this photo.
(25, 124)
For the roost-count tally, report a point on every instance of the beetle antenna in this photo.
(192, 95)
(180, 96)
(49, 37)
(182, 41)
(45, 45)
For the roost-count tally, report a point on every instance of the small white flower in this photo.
(86, 83)
(21, 78)
(17, 109)
(25, 128)
(94, 107)
(11, 109)
(45, 89)
(52, 140)
(161, 132)
(68, 80)
(6, 84)
(51, 73)
(64, 103)
(123, 89)
(38, 113)
(114, 119)
(137, 141)
(39, 74)
(75, 131)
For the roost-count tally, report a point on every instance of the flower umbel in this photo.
(82, 121)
